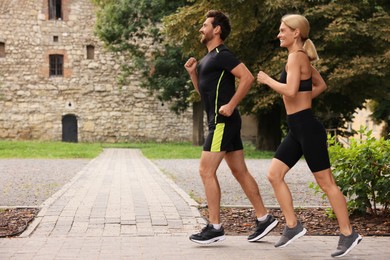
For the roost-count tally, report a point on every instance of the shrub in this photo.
(362, 171)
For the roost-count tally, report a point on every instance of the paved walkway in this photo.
(120, 206)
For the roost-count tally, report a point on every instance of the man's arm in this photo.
(190, 66)
(245, 81)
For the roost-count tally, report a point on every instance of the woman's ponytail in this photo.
(310, 49)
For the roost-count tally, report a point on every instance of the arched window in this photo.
(69, 128)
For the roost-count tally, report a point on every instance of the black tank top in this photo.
(304, 85)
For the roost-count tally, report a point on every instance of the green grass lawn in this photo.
(36, 149)
(58, 150)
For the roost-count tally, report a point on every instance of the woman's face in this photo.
(286, 35)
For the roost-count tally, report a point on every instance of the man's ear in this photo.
(217, 29)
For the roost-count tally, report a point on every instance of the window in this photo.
(56, 65)
(2, 49)
(55, 38)
(55, 9)
(90, 52)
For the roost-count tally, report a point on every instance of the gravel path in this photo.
(29, 182)
(185, 174)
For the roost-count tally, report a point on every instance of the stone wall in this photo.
(33, 103)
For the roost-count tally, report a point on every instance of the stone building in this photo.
(362, 118)
(57, 82)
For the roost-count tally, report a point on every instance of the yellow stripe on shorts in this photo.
(217, 138)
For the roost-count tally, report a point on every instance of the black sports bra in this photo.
(304, 85)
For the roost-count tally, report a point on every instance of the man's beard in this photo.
(204, 40)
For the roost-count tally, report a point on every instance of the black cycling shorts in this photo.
(224, 137)
(307, 137)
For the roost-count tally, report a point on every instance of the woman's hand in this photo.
(262, 77)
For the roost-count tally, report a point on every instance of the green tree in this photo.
(132, 29)
(351, 36)
(125, 27)
(352, 39)
(254, 27)
(354, 43)
(380, 108)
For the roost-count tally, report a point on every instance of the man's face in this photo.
(207, 31)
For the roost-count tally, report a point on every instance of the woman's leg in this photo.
(276, 174)
(336, 199)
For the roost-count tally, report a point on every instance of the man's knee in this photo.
(207, 172)
(202, 172)
(240, 174)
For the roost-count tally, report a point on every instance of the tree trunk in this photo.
(197, 124)
(386, 130)
(269, 131)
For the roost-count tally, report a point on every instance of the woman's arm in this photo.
(289, 89)
(319, 84)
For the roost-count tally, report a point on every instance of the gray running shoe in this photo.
(263, 228)
(291, 234)
(346, 243)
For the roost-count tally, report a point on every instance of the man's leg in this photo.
(265, 223)
(236, 163)
(213, 232)
(209, 163)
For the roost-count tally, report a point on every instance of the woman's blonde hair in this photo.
(296, 21)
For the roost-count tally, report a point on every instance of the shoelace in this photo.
(204, 229)
(258, 223)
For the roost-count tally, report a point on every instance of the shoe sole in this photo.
(265, 232)
(212, 240)
(355, 243)
(300, 234)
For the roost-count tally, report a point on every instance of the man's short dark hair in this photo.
(222, 20)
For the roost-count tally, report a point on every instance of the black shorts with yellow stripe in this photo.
(224, 137)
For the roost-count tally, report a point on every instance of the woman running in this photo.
(299, 83)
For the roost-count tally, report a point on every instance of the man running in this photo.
(214, 79)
